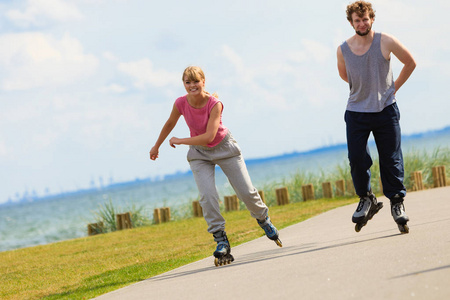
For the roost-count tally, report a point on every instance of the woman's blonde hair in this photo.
(193, 73)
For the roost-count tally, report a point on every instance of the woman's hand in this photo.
(174, 141)
(154, 153)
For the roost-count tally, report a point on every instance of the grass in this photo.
(87, 267)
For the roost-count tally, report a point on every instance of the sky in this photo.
(86, 85)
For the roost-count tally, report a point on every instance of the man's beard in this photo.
(364, 33)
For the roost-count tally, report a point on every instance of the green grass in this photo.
(87, 267)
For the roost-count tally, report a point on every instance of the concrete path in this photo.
(324, 258)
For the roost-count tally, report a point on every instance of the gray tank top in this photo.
(370, 78)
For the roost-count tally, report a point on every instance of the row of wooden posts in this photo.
(282, 194)
(162, 215)
(123, 221)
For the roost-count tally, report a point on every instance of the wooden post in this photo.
(282, 196)
(381, 185)
(439, 176)
(351, 187)
(340, 188)
(327, 190)
(126, 219)
(308, 192)
(234, 202)
(198, 211)
(165, 214)
(417, 181)
(227, 200)
(231, 203)
(261, 194)
(95, 228)
(157, 216)
(443, 176)
(123, 221)
(227, 203)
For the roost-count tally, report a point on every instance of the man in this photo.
(364, 61)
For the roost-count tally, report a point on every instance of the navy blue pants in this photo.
(385, 128)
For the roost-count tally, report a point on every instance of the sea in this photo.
(65, 216)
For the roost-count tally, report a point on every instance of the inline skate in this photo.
(222, 255)
(270, 230)
(398, 213)
(367, 208)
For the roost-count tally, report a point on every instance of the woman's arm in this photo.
(208, 136)
(165, 131)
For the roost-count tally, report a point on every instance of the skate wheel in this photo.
(358, 228)
(231, 258)
(216, 261)
(279, 243)
(403, 228)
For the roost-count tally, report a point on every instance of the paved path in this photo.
(324, 258)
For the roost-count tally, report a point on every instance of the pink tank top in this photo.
(197, 118)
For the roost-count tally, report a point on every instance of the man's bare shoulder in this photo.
(388, 39)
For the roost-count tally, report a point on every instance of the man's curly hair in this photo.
(360, 8)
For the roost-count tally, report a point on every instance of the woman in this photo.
(210, 144)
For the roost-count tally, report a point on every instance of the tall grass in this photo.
(107, 212)
(424, 161)
(414, 160)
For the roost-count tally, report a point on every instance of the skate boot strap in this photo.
(265, 222)
(396, 199)
(371, 197)
(220, 236)
(222, 244)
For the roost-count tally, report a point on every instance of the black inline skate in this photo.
(223, 250)
(367, 208)
(398, 213)
(270, 230)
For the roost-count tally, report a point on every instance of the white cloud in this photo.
(31, 60)
(237, 62)
(319, 52)
(313, 50)
(110, 56)
(273, 83)
(245, 77)
(144, 74)
(297, 56)
(113, 88)
(40, 12)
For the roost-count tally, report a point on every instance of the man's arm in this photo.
(392, 45)
(341, 65)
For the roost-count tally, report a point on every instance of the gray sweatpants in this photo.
(227, 155)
